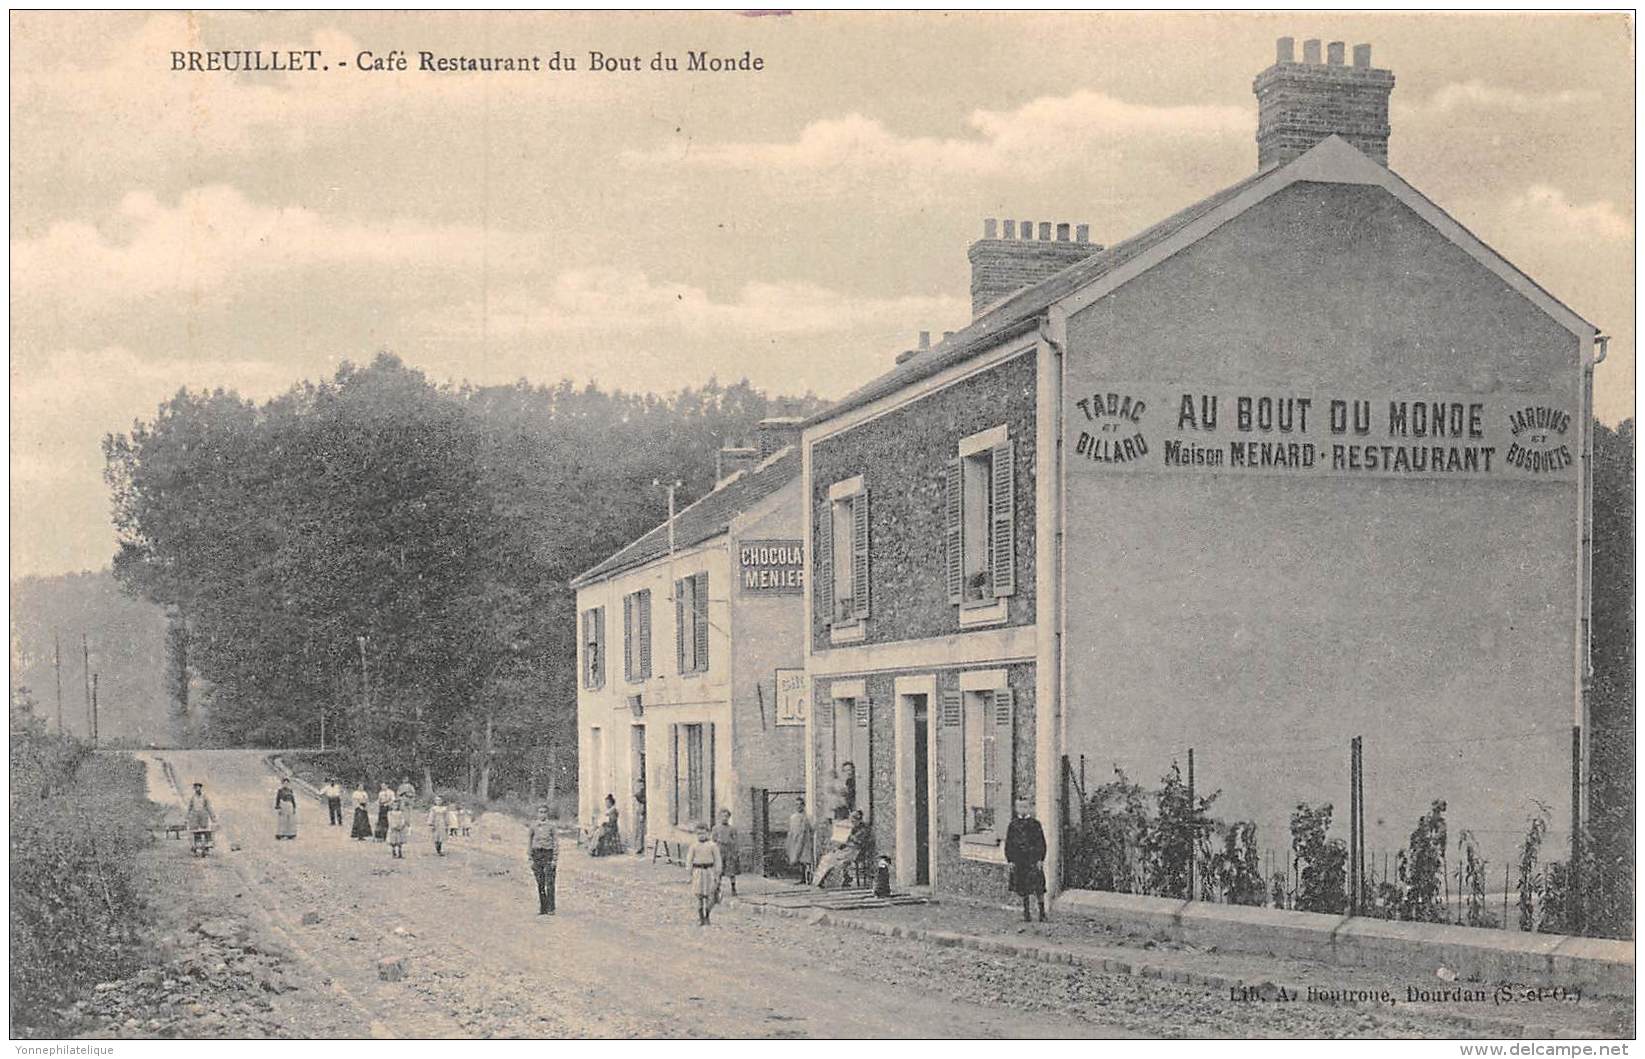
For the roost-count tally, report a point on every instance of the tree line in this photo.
(395, 554)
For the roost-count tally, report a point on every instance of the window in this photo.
(981, 524)
(842, 557)
(594, 647)
(981, 762)
(693, 755)
(691, 623)
(637, 635)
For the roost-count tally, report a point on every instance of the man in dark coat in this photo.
(1025, 851)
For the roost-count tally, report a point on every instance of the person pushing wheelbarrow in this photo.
(201, 821)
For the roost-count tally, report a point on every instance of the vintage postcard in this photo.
(822, 525)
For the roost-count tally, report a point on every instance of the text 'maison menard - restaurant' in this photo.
(1304, 462)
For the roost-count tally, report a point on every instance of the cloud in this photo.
(1476, 94)
(627, 302)
(1047, 132)
(214, 236)
(1549, 211)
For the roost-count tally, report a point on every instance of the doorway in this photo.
(922, 792)
(639, 786)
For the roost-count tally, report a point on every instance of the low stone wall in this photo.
(1595, 965)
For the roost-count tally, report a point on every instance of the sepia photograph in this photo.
(707, 526)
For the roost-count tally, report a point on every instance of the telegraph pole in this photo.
(671, 486)
(94, 709)
(57, 667)
(85, 669)
(365, 682)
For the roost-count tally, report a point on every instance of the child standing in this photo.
(439, 822)
(725, 836)
(397, 830)
(705, 873)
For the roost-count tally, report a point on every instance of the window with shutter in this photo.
(628, 637)
(951, 763)
(979, 762)
(645, 634)
(679, 625)
(822, 580)
(981, 527)
(699, 618)
(599, 647)
(954, 535)
(1005, 757)
(1002, 533)
(859, 555)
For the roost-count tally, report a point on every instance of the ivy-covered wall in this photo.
(903, 457)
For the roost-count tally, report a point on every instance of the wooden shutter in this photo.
(1003, 560)
(865, 759)
(1005, 755)
(582, 645)
(645, 634)
(859, 555)
(951, 759)
(955, 534)
(822, 580)
(708, 774)
(679, 625)
(699, 602)
(628, 637)
(599, 647)
(674, 779)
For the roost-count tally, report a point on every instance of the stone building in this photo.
(683, 637)
(1302, 462)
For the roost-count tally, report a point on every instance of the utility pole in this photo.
(85, 663)
(57, 667)
(94, 709)
(670, 487)
(322, 726)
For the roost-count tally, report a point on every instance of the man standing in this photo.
(542, 851)
(332, 792)
(1025, 851)
(439, 822)
(406, 794)
(639, 817)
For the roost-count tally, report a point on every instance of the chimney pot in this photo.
(1334, 52)
(1025, 229)
(1310, 51)
(1010, 230)
(1285, 50)
(1045, 231)
(777, 433)
(1062, 233)
(1082, 233)
(925, 339)
(990, 228)
(946, 335)
(1362, 56)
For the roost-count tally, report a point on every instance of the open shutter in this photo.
(859, 555)
(822, 576)
(951, 757)
(699, 601)
(674, 778)
(1003, 560)
(628, 637)
(599, 647)
(1005, 755)
(955, 531)
(708, 775)
(645, 634)
(865, 759)
(679, 625)
(582, 645)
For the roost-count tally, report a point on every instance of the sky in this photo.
(796, 225)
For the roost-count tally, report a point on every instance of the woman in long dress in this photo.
(799, 839)
(285, 812)
(385, 798)
(362, 816)
(200, 819)
(704, 859)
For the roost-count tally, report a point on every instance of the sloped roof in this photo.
(707, 518)
(1331, 159)
(1019, 311)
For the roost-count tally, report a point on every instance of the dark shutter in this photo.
(679, 625)
(1005, 755)
(859, 555)
(582, 645)
(951, 758)
(822, 581)
(708, 769)
(955, 531)
(628, 637)
(1003, 560)
(699, 600)
(599, 647)
(674, 779)
(645, 634)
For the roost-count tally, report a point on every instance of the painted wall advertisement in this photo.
(792, 701)
(771, 568)
(1188, 429)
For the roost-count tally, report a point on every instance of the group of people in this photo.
(714, 860)
(394, 809)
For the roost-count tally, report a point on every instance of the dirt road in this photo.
(624, 957)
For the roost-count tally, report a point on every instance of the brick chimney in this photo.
(728, 461)
(1004, 262)
(777, 433)
(1301, 103)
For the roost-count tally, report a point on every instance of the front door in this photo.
(922, 794)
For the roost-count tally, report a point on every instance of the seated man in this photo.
(856, 845)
